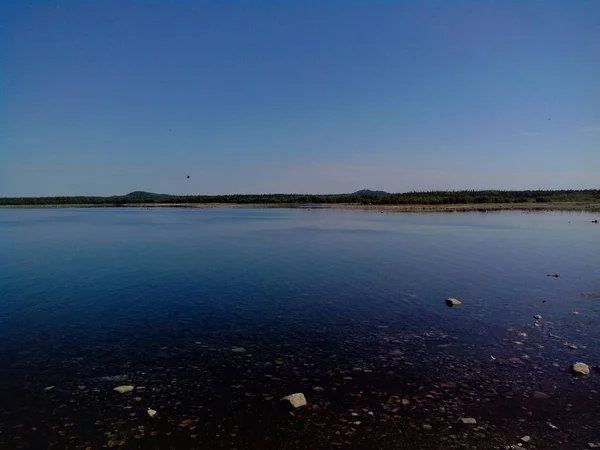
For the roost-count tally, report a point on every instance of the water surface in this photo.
(344, 306)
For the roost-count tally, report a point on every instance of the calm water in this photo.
(346, 307)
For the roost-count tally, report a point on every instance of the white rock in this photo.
(151, 412)
(123, 389)
(580, 369)
(297, 400)
(537, 317)
(49, 388)
(468, 420)
(526, 438)
(451, 302)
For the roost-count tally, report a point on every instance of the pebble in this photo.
(49, 388)
(297, 400)
(238, 350)
(123, 389)
(581, 369)
(526, 438)
(151, 412)
(427, 427)
(537, 317)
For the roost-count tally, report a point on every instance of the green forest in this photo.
(469, 197)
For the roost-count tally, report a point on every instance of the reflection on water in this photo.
(344, 306)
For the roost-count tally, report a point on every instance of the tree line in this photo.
(406, 198)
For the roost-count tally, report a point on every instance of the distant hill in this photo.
(144, 194)
(370, 192)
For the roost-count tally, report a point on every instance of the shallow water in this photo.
(344, 306)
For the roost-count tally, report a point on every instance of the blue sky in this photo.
(108, 97)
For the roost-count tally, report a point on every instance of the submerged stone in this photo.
(123, 389)
(468, 420)
(540, 395)
(451, 302)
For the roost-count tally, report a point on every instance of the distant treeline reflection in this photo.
(361, 198)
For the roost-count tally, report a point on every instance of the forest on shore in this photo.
(365, 197)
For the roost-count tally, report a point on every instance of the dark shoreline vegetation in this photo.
(360, 198)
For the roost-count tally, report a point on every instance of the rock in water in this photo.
(580, 369)
(123, 389)
(468, 420)
(151, 412)
(297, 400)
(451, 302)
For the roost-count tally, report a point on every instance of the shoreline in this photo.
(536, 207)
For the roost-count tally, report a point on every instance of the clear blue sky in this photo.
(107, 97)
